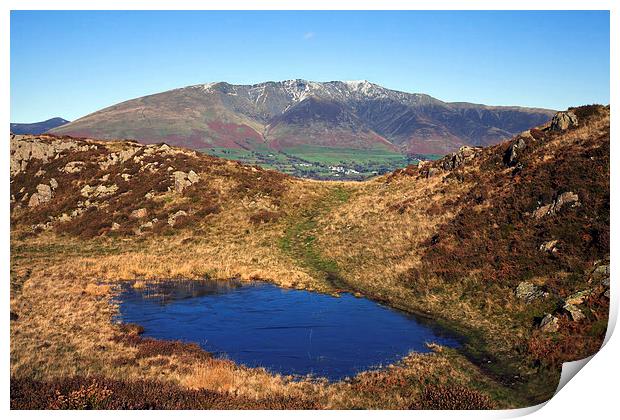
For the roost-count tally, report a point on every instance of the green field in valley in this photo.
(318, 162)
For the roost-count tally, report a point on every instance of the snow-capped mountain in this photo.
(280, 115)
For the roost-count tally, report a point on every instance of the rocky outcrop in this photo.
(73, 167)
(43, 195)
(183, 180)
(457, 159)
(563, 120)
(118, 157)
(27, 148)
(512, 153)
(567, 198)
(98, 191)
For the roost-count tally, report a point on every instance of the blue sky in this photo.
(69, 64)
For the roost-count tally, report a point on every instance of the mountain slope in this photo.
(38, 127)
(268, 115)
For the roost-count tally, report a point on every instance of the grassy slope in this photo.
(372, 238)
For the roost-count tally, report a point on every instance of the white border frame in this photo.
(592, 395)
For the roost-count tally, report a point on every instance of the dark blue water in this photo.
(285, 331)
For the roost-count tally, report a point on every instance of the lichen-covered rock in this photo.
(528, 292)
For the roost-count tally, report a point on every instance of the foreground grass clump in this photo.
(101, 393)
(438, 397)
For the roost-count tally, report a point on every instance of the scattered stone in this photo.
(564, 199)
(512, 153)
(64, 218)
(126, 177)
(575, 312)
(173, 217)
(118, 157)
(528, 292)
(183, 180)
(578, 297)
(139, 214)
(40, 173)
(432, 172)
(457, 159)
(601, 270)
(43, 195)
(563, 120)
(115, 226)
(99, 191)
(549, 323)
(193, 177)
(73, 167)
(53, 183)
(549, 246)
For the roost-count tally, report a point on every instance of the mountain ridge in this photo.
(220, 114)
(37, 127)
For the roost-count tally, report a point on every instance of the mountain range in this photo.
(37, 127)
(287, 115)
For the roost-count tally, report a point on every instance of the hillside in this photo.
(37, 127)
(507, 245)
(288, 117)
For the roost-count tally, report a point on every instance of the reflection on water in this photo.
(286, 331)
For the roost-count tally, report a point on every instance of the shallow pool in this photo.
(285, 331)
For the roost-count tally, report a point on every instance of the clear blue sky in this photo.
(69, 64)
